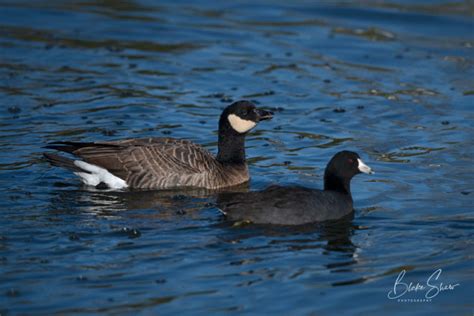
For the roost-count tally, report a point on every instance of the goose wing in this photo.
(133, 159)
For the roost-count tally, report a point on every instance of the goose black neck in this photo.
(231, 144)
(336, 183)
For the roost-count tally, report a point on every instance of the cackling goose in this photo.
(164, 163)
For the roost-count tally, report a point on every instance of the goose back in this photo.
(160, 163)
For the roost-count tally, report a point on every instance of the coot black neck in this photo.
(336, 183)
(231, 144)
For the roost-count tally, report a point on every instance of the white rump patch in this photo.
(364, 168)
(97, 175)
(240, 125)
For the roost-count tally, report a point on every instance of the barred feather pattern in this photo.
(163, 163)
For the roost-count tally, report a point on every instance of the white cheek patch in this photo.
(96, 175)
(240, 125)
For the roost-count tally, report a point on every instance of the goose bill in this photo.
(264, 115)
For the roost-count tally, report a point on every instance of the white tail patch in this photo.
(240, 125)
(97, 175)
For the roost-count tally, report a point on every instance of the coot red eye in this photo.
(350, 160)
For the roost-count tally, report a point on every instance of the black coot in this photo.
(296, 205)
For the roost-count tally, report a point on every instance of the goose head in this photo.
(242, 116)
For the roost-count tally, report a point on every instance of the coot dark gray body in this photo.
(296, 205)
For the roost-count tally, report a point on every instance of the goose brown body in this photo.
(159, 163)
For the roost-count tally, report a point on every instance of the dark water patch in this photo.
(62, 42)
(260, 94)
(373, 34)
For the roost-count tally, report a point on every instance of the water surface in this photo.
(393, 81)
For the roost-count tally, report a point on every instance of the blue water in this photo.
(393, 81)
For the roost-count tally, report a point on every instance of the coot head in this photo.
(242, 116)
(342, 168)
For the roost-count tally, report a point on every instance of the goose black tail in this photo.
(63, 162)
